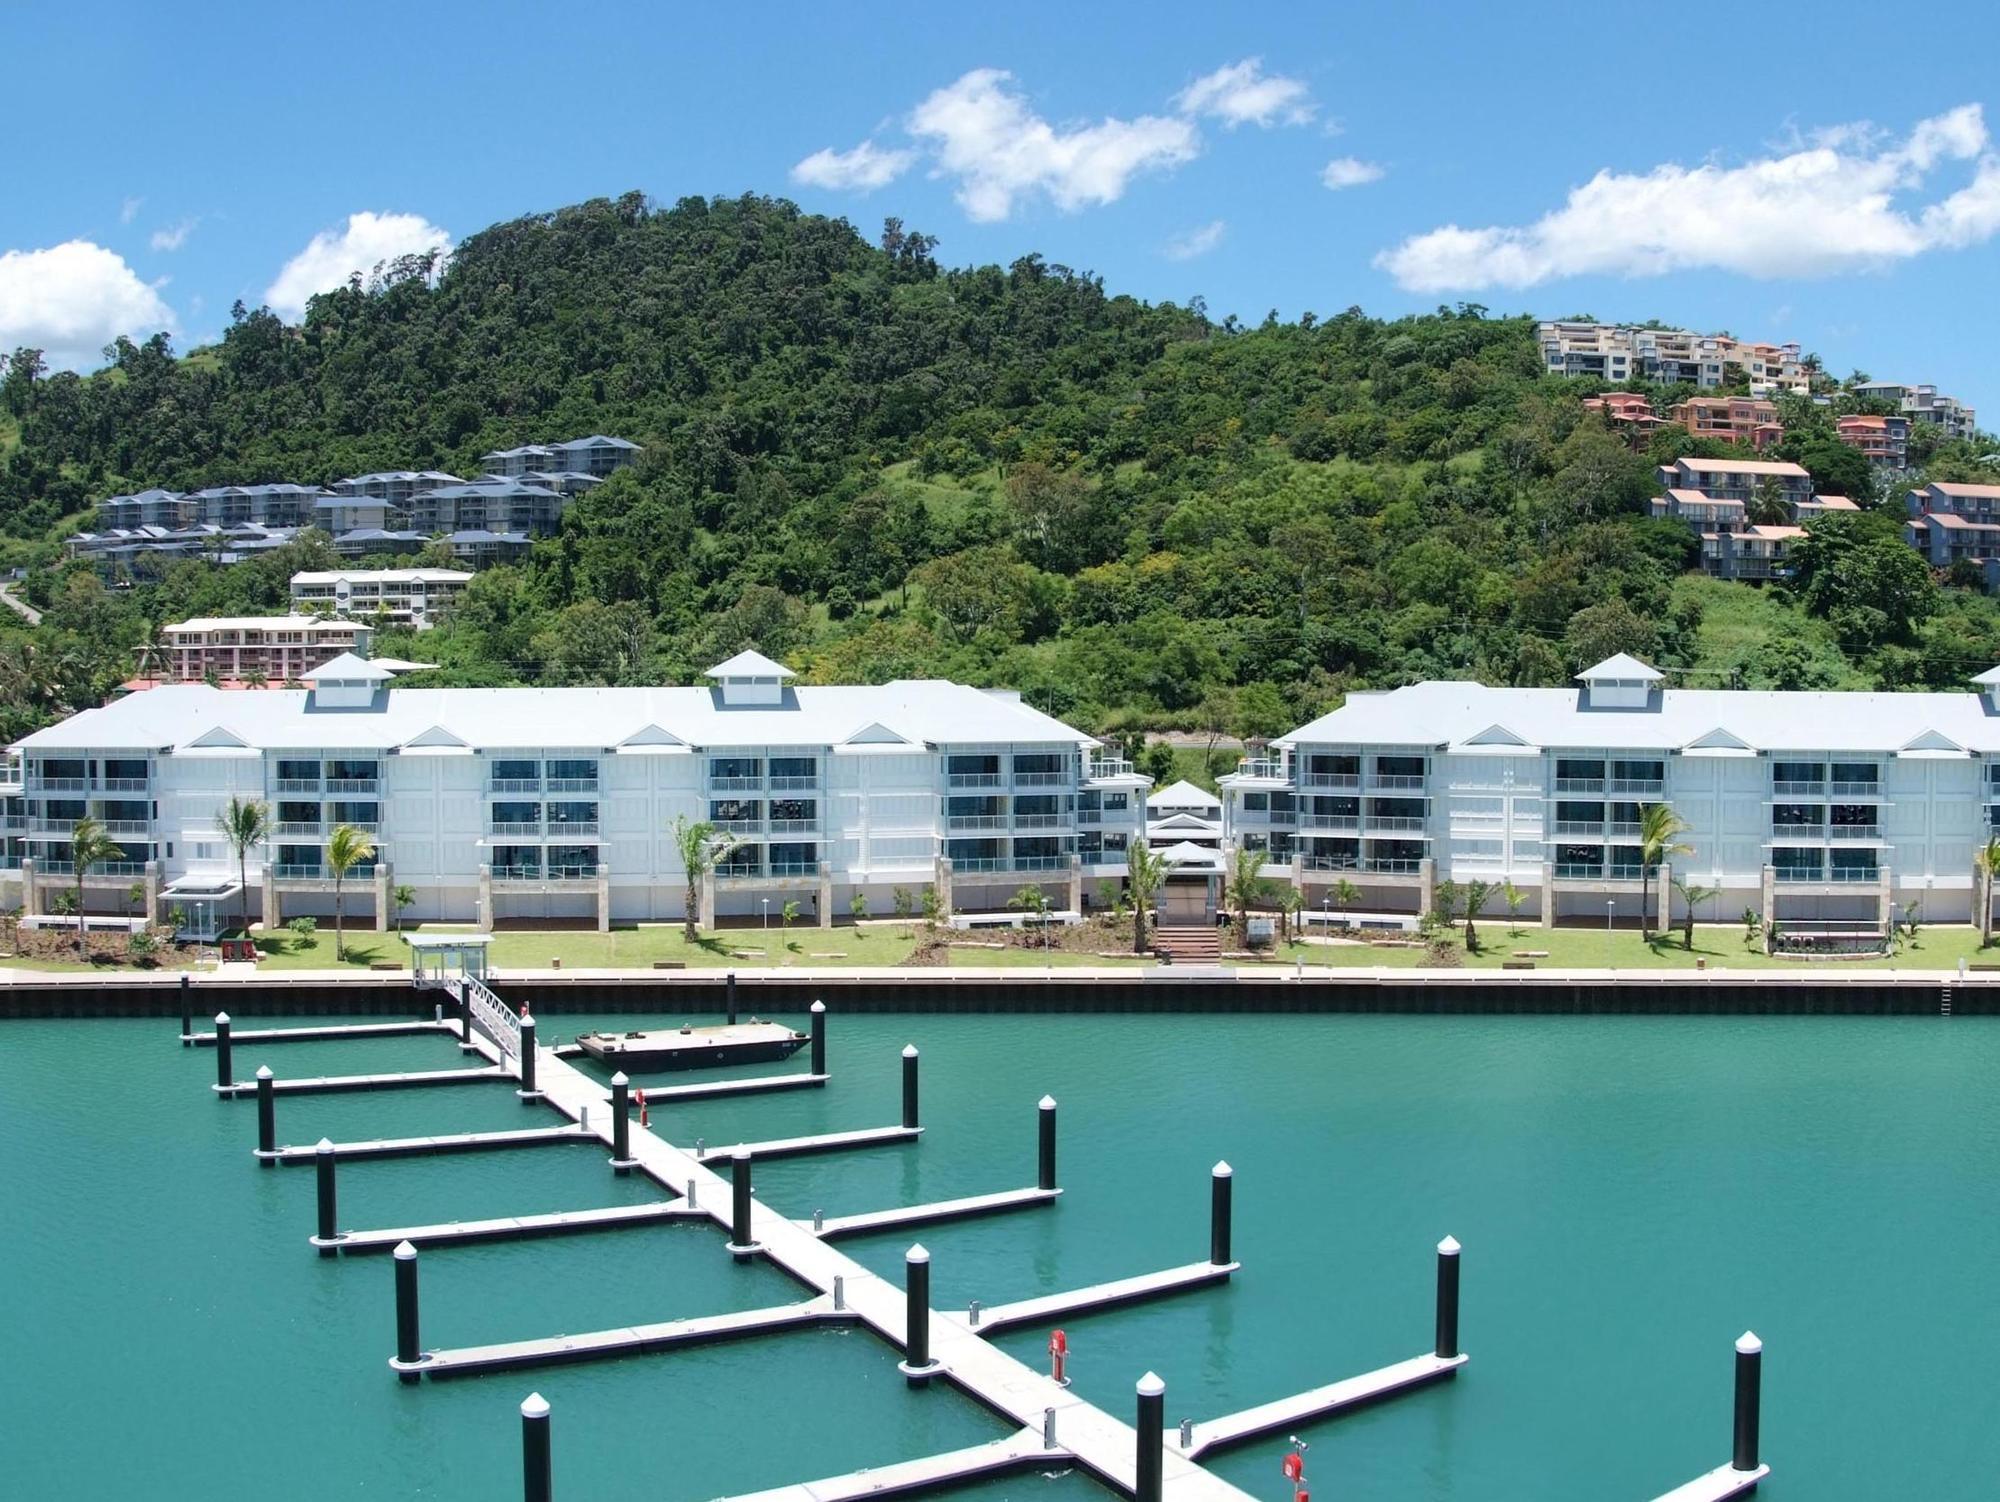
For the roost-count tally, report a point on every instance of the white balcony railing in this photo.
(515, 828)
(1333, 779)
(735, 784)
(515, 785)
(974, 779)
(976, 821)
(794, 784)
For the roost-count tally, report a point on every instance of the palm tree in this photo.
(1660, 831)
(89, 846)
(346, 848)
(1768, 508)
(702, 847)
(1243, 886)
(1145, 872)
(1345, 894)
(1692, 897)
(1473, 894)
(1986, 860)
(403, 895)
(245, 822)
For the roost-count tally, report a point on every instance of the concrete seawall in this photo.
(1547, 993)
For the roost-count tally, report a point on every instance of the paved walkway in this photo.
(19, 606)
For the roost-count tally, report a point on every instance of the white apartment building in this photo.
(274, 648)
(1713, 496)
(1803, 807)
(1923, 404)
(559, 802)
(1627, 352)
(408, 596)
(596, 456)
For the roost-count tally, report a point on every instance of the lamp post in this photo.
(1610, 947)
(765, 903)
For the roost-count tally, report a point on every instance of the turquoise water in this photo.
(1631, 1193)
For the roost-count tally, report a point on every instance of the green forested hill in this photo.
(877, 466)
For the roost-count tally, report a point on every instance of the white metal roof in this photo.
(382, 576)
(1448, 714)
(749, 664)
(302, 623)
(919, 711)
(1624, 668)
(347, 668)
(1183, 794)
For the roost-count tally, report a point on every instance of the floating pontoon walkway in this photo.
(1101, 1296)
(632, 1340)
(825, 1142)
(332, 1083)
(460, 1142)
(918, 1215)
(1014, 1453)
(1320, 1402)
(1718, 1485)
(327, 1033)
(711, 1089)
(514, 1227)
(1103, 1445)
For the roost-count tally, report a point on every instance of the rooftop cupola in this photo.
(346, 682)
(1621, 682)
(1989, 686)
(751, 678)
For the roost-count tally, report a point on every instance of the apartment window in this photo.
(1256, 803)
(734, 768)
(1116, 803)
(1798, 773)
(794, 772)
(727, 811)
(1802, 818)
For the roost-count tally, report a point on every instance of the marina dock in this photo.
(918, 1215)
(712, 1089)
(327, 1034)
(824, 1142)
(456, 1142)
(632, 1340)
(1050, 1306)
(1320, 1402)
(1015, 1452)
(514, 1227)
(410, 1080)
(1718, 1485)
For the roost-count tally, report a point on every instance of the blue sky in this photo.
(1823, 176)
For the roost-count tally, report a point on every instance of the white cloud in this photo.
(865, 168)
(1828, 207)
(71, 300)
(333, 256)
(985, 135)
(1195, 242)
(1244, 93)
(1349, 172)
(174, 236)
(129, 210)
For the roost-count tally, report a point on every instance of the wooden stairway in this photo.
(1189, 946)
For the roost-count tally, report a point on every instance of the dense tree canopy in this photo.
(875, 466)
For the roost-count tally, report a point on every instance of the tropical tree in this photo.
(1660, 831)
(858, 906)
(1145, 874)
(1986, 860)
(1692, 896)
(346, 848)
(1291, 901)
(1473, 894)
(404, 895)
(788, 914)
(1444, 905)
(702, 847)
(1515, 899)
(1243, 887)
(1345, 894)
(89, 846)
(1768, 508)
(245, 822)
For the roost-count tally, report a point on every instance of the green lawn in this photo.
(1721, 945)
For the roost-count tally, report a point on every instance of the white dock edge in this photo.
(1319, 1402)
(459, 1142)
(1721, 1483)
(1017, 1450)
(630, 1340)
(917, 1215)
(330, 1083)
(505, 1227)
(326, 1032)
(824, 1142)
(1102, 1295)
(714, 1088)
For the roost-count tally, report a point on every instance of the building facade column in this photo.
(1426, 886)
(385, 883)
(1770, 876)
(1076, 885)
(150, 885)
(268, 905)
(1548, 894)
(482, 913)
(826, 894)
(31, 894)
(1885, 904)
(1663, 900)
(603, 898)
(704, 916)
(941, 884)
